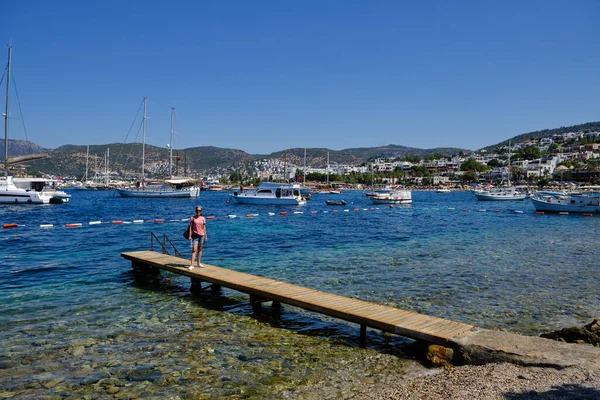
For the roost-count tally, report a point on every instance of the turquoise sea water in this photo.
(75, 322)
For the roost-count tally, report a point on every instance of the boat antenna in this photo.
(171, 144)
(6, 115)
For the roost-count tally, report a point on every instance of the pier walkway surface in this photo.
(474, 344)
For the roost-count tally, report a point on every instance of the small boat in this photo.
(335, 202)
(586, 202)
(271, 193)
(399, 196)
(385, 190)
(442, 190)
(507, 193)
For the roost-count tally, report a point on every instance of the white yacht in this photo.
(398, 196)
(507, 193)
(271, 193)
(24, 190)
(503, 193)
(169, 188)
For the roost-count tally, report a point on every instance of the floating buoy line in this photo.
(13, 225)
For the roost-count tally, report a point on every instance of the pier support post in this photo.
(276, 306)
(215, 289)
(363, 335)
(196, 286)
(256, 302)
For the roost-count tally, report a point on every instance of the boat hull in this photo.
(249, 199)
(566, 203)
(149, 193)
(500, 194)
(396, 197)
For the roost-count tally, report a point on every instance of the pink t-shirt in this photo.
(198, 225)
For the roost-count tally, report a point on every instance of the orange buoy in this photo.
(117, 221)
(336, 210)
(159, 220)
(587, 215)
(313, 212)
(498, 210)
(283, 213)
(249, 215)
(72, 225)
(210, 217)
(6, 226)
(539, 212)
(356, 210)
(466, 210)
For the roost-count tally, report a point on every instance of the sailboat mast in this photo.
(87, 157)
(144, 142)
(304, 167)
(106, 162)
(327, 168)
(6, 115)
(171, 144)
(508, 168)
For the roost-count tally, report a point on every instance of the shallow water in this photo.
(75, 321)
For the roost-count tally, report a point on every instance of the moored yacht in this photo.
(271, 193)
(398, 196)
(586, 202)
(23, 191)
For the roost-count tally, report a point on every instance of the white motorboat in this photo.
(384, 190)
(169, 188)
(506, 193)
(271, 193)
(25, 190)
(443, 190)
(398, 196)
(587, 202)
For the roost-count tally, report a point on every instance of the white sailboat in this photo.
(504, 193)
(24, 190)
(82, 185)
(169, 188)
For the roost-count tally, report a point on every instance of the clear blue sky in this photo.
(263, 76)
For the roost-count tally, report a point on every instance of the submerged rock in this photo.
(587, 334)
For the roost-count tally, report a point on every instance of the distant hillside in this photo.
(591, 126)
(21, 148)
(70, 160)
(317, 157)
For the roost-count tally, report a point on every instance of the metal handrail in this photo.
(163, 244)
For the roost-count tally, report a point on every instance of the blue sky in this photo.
(263, 76)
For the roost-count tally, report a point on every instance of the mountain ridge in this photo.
(125, 158)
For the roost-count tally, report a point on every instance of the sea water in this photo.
(75, 322)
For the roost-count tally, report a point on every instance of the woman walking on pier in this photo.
(197, 236)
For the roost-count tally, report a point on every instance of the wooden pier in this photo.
(388, 319)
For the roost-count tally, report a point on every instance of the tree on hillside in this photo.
(473, 165)
(494, 163)
(529, 153)
(469, 177)
(412, 158)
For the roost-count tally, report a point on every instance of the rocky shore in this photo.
(491, 381)
(503, 380)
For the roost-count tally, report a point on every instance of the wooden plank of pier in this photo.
(367, 314)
